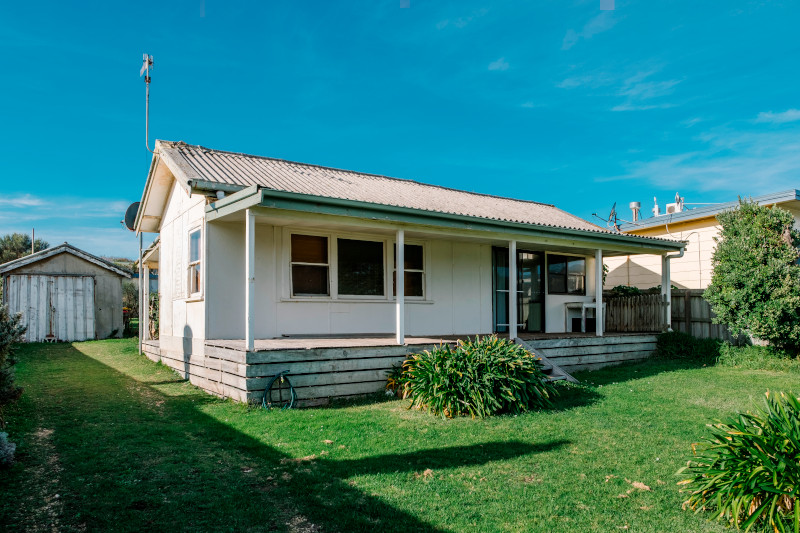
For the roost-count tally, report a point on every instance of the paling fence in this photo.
(645, 313)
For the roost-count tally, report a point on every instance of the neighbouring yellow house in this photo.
(696, 227)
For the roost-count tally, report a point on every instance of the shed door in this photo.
(53, 307)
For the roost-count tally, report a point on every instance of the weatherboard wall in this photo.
(180, 314)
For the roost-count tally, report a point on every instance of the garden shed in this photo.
(65, 294)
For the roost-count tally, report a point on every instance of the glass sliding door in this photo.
(530, 270)
(530, 290)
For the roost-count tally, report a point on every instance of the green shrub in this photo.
(677, 345)
(757, 358)
(477, 378)
(755, 285)
(748, 471)
(11, 332)
(625, 290)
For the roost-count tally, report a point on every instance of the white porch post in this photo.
(400, 283)
(666, 291)
(250, 278)
(598, 292)
(146, 310)
(141, 293)
(512, 290)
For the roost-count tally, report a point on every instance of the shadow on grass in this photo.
(641, 369)
(124, 456)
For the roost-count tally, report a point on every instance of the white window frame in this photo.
(585, 275)
(424, 270)
(198, 295)
(371, 238)
(300, 263)
(333, 266)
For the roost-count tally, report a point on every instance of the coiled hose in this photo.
(282, 379)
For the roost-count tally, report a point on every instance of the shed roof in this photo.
(62, 248)
(204, 168)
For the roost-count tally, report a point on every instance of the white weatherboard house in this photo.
(268, 265)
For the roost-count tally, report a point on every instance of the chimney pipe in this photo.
(635, 206)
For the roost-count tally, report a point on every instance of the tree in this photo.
(16, 245)
(755, 286)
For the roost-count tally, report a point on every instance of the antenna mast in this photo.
(147, 64)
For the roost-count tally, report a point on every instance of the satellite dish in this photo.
(130, 216)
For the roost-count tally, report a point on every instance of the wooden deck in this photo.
(324, 367)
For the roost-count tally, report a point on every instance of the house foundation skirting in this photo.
(592, 353)
(319, 374)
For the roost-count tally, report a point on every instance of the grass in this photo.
(111, 441)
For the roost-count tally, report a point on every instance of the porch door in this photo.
(530, 290)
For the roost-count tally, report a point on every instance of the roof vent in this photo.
(635, 207)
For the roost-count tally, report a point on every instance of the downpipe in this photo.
(666, 285)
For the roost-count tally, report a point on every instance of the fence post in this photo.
(687, 311)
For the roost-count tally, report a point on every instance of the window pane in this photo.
(556, 274)
(309, 249)
(577, 266)
(556, 265)
(360, 267)
(556, 284)
(576, 284)
(414, 285)
(413, 258)
(194, 246)
(195, 280)
(309, 280)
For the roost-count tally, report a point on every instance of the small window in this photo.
(310, 266)
(414, 270)
(360, 267)
(566, 275)
(195, 279)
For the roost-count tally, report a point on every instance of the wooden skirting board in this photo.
(319, 374)
(593, 353)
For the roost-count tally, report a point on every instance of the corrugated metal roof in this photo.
(791, 195)
(216, 166)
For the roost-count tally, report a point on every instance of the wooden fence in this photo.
(644, 313)
(692, 314)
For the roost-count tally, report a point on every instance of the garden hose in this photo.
(281, 378)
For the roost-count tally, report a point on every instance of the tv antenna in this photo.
(147, 64)
(611, 219)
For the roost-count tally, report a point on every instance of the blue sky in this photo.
(554, 101)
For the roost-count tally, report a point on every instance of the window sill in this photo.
(190, 299)
(327, 299)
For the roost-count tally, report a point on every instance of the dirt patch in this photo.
(43, 507)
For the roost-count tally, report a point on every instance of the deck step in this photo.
(552, 370)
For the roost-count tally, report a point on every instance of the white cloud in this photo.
(790, 115)
(598, 24)
(739, 162)
(639, 93)
(637, 90)
(25, 200)
(461, 22)
(500, 64)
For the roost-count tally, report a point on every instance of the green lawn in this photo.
(111, 441)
